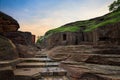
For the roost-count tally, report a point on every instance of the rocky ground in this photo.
(84, 62)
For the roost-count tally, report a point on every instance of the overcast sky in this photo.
(38, 16)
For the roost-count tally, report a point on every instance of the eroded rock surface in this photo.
(105, 35)
(9, 28)
(7, 49)
(89, 62)
(19, 37)
(7, 23)
(26, 51)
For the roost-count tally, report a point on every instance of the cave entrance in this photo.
(82, 28)
(104, 39)
(76, 40)
(64, 37)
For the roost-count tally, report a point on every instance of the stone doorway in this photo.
(76, 41)
(64, 37)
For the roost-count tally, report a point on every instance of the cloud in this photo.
(40, 21)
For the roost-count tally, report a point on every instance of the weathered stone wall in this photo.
(67, 38)
(63, 38)
(109, 34)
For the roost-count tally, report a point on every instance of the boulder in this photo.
(7, 23)
(9, 28)
(7, 49)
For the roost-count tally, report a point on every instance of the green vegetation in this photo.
(115, 6)
(64, 29)
(90, 25)
(109, 19)
(40, 39)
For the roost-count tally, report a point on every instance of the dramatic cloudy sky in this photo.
(38, 16)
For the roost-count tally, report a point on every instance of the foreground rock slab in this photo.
(81, 69)
(6, 73)
(84, 62)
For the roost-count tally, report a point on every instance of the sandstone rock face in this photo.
(66, 38)
(33, 38)
(9, 28)
(18, 37)
(7, 23)
(89, 62)
(26, 51)
(7, 49)
(13, 45)
(109, 34)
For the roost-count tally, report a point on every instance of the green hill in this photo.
(90, 25)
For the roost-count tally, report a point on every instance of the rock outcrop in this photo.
(7, 23)
(26, 51)
(9, 28)
(89, 62)
(14, 45)
(109, 34)
(7, 49)
(19, 37)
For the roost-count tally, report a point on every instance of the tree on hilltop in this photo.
(115, 6)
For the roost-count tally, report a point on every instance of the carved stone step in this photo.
(33, 65)
(37, 60)
(50, 71)
(55, 78)
(10, 62)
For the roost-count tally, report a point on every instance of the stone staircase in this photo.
(39, 68)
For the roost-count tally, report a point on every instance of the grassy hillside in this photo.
(89, 25)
